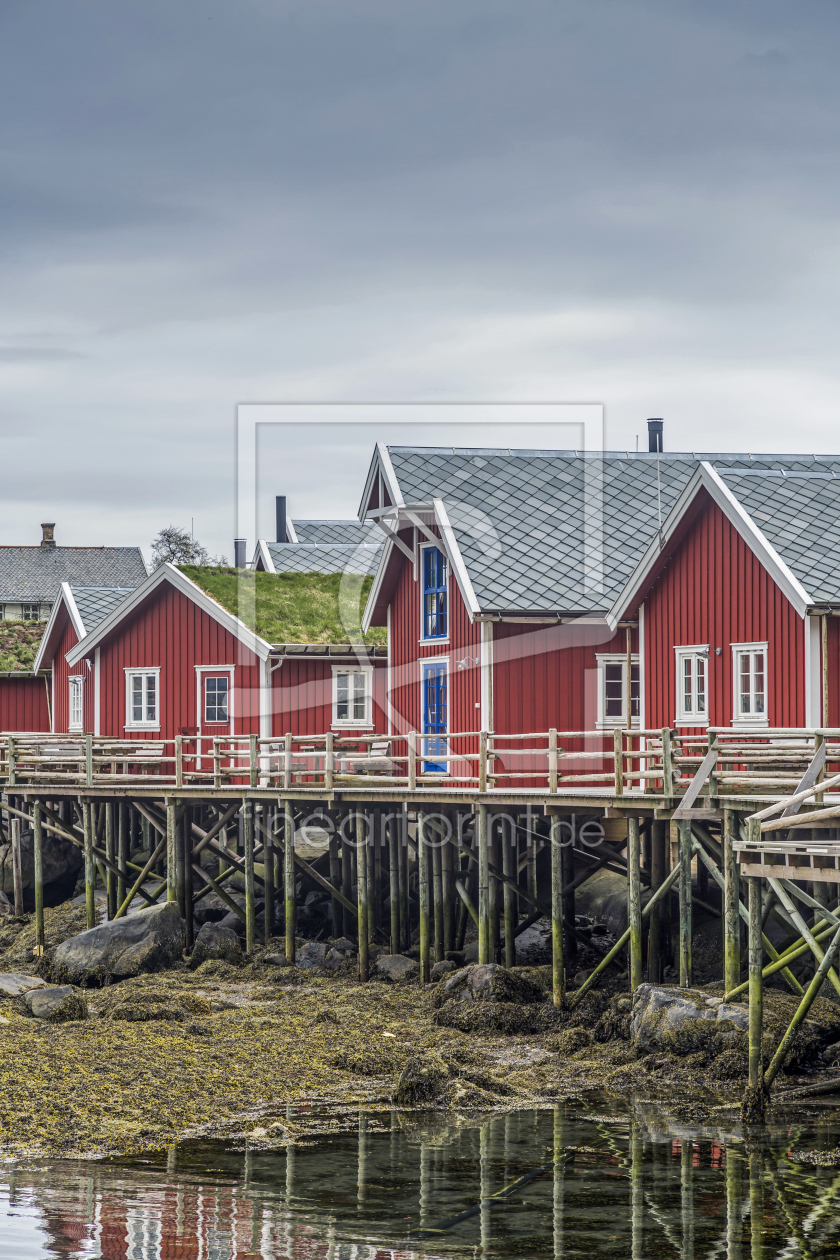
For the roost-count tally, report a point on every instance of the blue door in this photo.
(434, 714)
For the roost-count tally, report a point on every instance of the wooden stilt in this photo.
(756, 988)
(394, 883)
(250, 894)
(482, 827)
(731, 903)
(123, 850)
(376, 871)
(402, 857)
(570, 945)
(634, 901)
(289, 900)
(186, 840)
(558, 969)
(493, 824)
(38, 861)
(509, 898)
(362, 866)
(335, 880)
(531, 859)
(17, 873)
(268, 871)
(658, 855)
(423, 895)
(756, 1158)
(802, 1010)
(685, 853)
(437, 895)
(182, 831)
(447, 877)
(111, 855)
(90, 868)
(171, 827)
(348, 924)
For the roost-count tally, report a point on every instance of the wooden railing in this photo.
(617, 762)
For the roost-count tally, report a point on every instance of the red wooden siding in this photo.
(23, 704)
(833, 636)
(714, 590)
(61, 673)
(170, 631)
(301, 697)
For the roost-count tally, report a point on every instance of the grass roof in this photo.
(293, 607)
(19, 642)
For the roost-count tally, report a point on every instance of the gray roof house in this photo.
(319, 546)
(85, 606)
(31, 577)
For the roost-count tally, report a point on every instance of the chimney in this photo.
(239, 561)
(280, 503)
(48, 534)
(655, 435)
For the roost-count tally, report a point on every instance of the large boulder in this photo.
(664, 1017)
(14, 983)
(397, 967)
(146, 941)
(488, 982)
(58, 1004)
(311, 956)
(62, 861)
(215, 941)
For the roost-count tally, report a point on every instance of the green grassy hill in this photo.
(19, 643)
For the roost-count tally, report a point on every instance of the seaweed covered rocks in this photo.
(215, 942)
(451, 1078)
(147, 941)
(486, 997)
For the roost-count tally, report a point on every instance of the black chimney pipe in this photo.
(280, 502)
(239, 561)
(655, 435)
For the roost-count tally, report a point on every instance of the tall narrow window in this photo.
(142, 706)
(692, 673)
(612, 689)
(435, 583)
(352, 698)
(75, 720)
(435, 717)
(216, 690)
(750, 679)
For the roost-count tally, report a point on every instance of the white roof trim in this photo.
(291, 532)
(264, 554)
(381, 462)
(65, 597)
(168, 573)
(765, 552)
(456, 559)
(376, 587)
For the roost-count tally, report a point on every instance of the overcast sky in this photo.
(204, 204)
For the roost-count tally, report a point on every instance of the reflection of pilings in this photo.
(484, 1176)
(424, 1184)
(559, 1184)
(637, 1204)
(687, 1199)
(361, 1178)
(290, 1183)
(734, 1213)
(756, 1202)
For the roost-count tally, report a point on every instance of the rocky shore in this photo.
(107, 1049)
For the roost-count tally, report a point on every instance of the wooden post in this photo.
(482, 764)
(509, 898)
(10, 747)
(90, 868)
(287, 760)
(423, 895)
(667, 763)
(250, 897)
(335, 880)
(658, 854)
(217, 764)
(482, 828)
(824, 629)
(171, 824)
(268, 872)
(447, 865)
(492, 860)
(811, 993)
(289, 900)
(361, 834)
(552, 760)
(634, 900)
(618, 758)
(329, 761)
(38, 859)
(123, 850)
(756, 988)
(437, 893)
(394, 882)
(88, 761)
(412, 761)
(570, 944)
(111, 855)
(731, 903)
(254, 761)
(348, 927)
(187, 877)
(558, 971)
(405, 904)
(685, 854)
(530, 857)
(376, 872)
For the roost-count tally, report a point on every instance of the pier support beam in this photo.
(658, 871)
(481, 826)
(362, 838)
(250, 896)
(289, 908)
(510, 897)
(634, 901)
(171, 829)
(268, 870)
(394, 881)
(423, 894)
(90, 868)
(437, 891)
(754, 1098)
(686, 849)
(558, 969)
(731, 904)
(38, 859)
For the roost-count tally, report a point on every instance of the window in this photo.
(435, 592)
(216, 691)
(434, 714)
(30, 612)
(75, 720)
(352, 689)
(749, 682)
(692, 685)
(612, 689)
(142, 699)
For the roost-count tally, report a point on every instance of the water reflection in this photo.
(561, 1182)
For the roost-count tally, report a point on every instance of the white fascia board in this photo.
(263, 553)
(291, 532)
(456, 559)
(376, 587)
(65, 599)
(381, 462)
(168, 573)
(707, 478)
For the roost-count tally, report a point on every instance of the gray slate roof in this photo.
(96, 602)
(336, 532)
(315, 558)
(35, 574)
(561, 531)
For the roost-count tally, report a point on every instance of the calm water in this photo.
(625, 1182)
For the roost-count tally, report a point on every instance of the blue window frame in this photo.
(434, 714)
(435, 610)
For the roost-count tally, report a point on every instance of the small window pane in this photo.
(151, 698)
(700, 664)
(613, 691)
(342, 703)
(634, 691)
(745, 682)
(137, 698)
(216, 699)
(758, 682)
(688, 685)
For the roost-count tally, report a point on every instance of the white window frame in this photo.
(434, 642)
(617, 658)
(749, 719)
(691, 651)
(75, 682)
(354, 723)
(200, 671)
(131, 671)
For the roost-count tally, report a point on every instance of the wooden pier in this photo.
(422, 833)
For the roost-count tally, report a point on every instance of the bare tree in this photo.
(178, 547)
